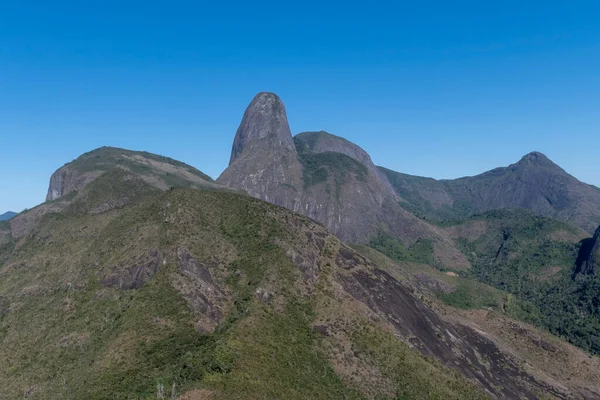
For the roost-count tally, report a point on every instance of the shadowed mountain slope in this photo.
(588, 260)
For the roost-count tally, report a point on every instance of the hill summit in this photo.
(7, 215)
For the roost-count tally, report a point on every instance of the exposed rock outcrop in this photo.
(264, 162)
(588, 260)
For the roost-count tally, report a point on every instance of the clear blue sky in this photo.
(441, 89)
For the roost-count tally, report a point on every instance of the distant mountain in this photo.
(534, 183)
(7, 215)
(324, 177)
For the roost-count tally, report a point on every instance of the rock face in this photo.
(534, 183)
(263, 127)
(324, 177)
(264, 162)
(588, 261)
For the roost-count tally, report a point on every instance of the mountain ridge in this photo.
(534, 183)
(7, 215)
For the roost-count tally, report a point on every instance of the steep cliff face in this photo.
(343, 189)
(534, 183)
(324, 177)
(588, 261)
(264, 162)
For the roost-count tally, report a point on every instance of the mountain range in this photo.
(303, 271)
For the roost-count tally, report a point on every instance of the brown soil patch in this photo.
(449, 256)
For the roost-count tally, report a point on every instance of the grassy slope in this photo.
(67, 334)
(111, 156)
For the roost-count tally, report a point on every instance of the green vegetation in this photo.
(319, 167)
(527, 262)
(161, 171)
(107, 157)
(69, 333)
(517, 248)
(520, 255)
(414, 191)
(114, 188)
(420, 252)
(471, 294)
(414, 377)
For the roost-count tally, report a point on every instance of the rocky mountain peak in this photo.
(536, 158)
(264, 124)
(264, 162)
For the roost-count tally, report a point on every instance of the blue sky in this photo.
(441, 89)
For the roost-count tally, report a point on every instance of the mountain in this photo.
(500, 228)
(325, 178)
(7, 215)
(128, 169)
(214, 294)
(161, 172)
(534, 183)
(264, 162)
